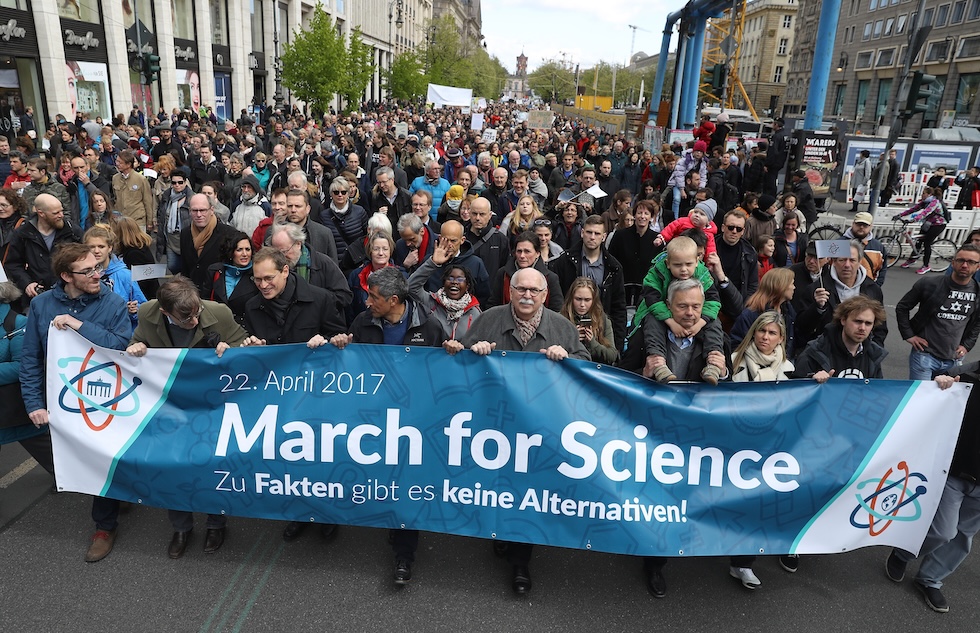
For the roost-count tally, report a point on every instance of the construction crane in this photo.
(723, 46)
(633, 42)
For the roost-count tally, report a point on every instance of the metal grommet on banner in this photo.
(503, 353)
(312, 520)
(403, 526)
(493, 535)
(680, 552)
(598, 366)
(762, 550)
(139, 501)
(867, 381)
(222, 512)
(408, 349)
(588, 545)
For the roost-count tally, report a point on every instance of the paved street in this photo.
(259, 583)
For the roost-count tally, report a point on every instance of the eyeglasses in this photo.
(265, 281)
(177, 182)
(339, 192)
(959, 261)
(89, 272)
(734, 229)
(534, 292)
(457, 280)
(199, 211)
(260, 160)
(188, 319)
(542, 222)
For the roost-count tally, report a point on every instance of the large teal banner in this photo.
(510, 446)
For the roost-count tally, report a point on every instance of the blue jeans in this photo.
(173, 261)
(922, 365)
(948, 541)
(676, 202)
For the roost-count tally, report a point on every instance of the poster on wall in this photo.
(188, 90)
(928, 156)
(222, 95)
(88, 89)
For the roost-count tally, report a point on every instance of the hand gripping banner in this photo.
(510, 446)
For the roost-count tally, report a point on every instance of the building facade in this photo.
(801, 59)
(768, 33)
(65, 56)
(871, 48)
(465, 13)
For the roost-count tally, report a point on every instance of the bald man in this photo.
(200, 243)
(28, 257)
(489, 244)
(540, 331)
(463, 255)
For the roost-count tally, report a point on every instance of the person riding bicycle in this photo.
(934, 215)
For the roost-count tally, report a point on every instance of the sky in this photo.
(585, 30)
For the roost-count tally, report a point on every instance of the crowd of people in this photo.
(676, 262)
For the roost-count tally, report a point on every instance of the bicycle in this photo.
(825, 232)
(906, 244)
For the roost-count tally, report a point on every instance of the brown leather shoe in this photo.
(102, 542)
(178, 544)
(213, 540)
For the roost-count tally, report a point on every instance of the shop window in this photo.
(84, 10)
(182, 14)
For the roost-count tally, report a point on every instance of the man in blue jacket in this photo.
(81, 302)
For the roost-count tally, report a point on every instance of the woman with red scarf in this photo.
(380, 249)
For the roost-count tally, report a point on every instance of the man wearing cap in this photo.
(387, 197)
(761, 220)
(874, 253)
(454, 163)
(775, 157)
(804, 197)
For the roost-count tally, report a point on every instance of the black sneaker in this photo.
(895, 567)
(790, 562)
(403, 572)
(934, 598)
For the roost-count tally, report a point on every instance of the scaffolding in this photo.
(723, 45)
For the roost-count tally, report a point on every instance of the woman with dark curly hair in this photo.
(12, 214)
(230, 280)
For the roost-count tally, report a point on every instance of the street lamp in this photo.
(277, 65)
(842, 64)
(397, 17)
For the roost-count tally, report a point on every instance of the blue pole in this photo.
(692, 81)
(823, 52)
(683, 43)
(658, 82)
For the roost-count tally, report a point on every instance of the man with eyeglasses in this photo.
(200, 242)
(388, 197)
(946, 324)
(179, 318)
(523, 325)
(288, 309)
(81, 302)
(28, 257)
(739, 263)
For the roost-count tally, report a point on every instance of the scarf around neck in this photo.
(201, 236)
(526, 329)
(761, 367)
(454, 307)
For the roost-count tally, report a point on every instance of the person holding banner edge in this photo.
(179, 318)
(523, 325)
(82, 303)
(288, 309)
(393, 317)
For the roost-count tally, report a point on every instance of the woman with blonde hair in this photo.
(521, 218)
(761, 356)
(165, 166)
(133, 247)
(775, 293)
(583, 308)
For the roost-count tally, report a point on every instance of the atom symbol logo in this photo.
(99, 388)
(890, 496)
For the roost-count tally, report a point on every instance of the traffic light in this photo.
(716, 74)
(920, 89)
(151, 67)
